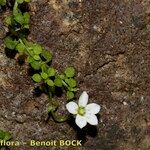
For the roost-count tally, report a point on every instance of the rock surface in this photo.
(108, 41)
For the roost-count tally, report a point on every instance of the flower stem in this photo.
(53, 108)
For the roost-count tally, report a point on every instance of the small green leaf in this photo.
(36, 57)
(72, 89)
(26, 26)
(50, 82)
(20, 1)
(47, 55)
(20, 47)
(44, 67)
(26, 16)
(58, 82)
(10, 43)
(19, 18)
(31, 53)
(62, 76)
(30, 59)
(5, 135)
(37, 78)
(70, 95)
(71, 82)
(37, 49)
(36, 65)
(3, 2)
(70, 72)
(51, 72)
(52, 106)
(44, 75)
(8, 20)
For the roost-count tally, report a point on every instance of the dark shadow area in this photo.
(58, 91)
(24, 7)
(37, 92)
(4, 148)
(82, 133)
(23, 32)
(31, 71)
(2, 8)
(10, 53)
(21, 60)
(10, 3)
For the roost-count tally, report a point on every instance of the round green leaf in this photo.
(62, 76)
(36, 65)
(50, 82)
(71, 82)
(20, 47)
(70, 72)
(44, 67)
(37, 78)
(26, 16)
(44, 75)
(47, 55)
(30, 59)
(10, 43)
(37, 49)
(58, 82)
(19, 18)
(36, 57)
(70, 95)
(51, 72)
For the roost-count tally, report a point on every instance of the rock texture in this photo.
(108, 41)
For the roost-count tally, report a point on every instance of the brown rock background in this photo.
(108, 41)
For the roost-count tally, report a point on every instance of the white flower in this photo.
(85, 113)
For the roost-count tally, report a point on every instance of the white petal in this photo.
(93, 108)
(72, 107)
(91, 119)
(83, 100)
(81, 121)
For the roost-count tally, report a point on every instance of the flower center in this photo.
(81, 111)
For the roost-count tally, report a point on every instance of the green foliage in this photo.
(20, 47)
(4, 135)
(47, 55)
(51, 72)
(36, 65)
(10, 42)
(37, 78)
(37, 49)
(70, 95)
(2, 2)
(44, 75)
(38, 58)
(71, 82)
(58, 82)
(70, 72)
(50, 82)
